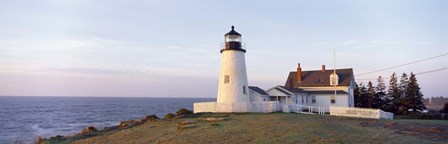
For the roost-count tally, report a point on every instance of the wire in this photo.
(431, 71)
(420, 73)
(445, 54)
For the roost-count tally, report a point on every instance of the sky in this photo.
(170, 48)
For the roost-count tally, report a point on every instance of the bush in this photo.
(183, 111)
(445, 109)
(417, 115)
(169, 116)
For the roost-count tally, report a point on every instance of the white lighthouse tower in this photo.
(233, 91)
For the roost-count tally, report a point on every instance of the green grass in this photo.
(425, 122)
(280, 128)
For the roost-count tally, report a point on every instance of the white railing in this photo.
(204, 107)
(305, 109)
(258, 107)
(223, 46)
(232, 107)
(386, 115)
(265, 107)
(360, 112)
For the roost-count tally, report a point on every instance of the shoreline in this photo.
(258, 127)
(91, 131)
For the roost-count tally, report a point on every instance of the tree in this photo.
(393, 95)
(363, 101)
(445, 109)
(402, 102)
(413, 98)
(357, 96)
(380, 94)
(370, 94)
(381, 86)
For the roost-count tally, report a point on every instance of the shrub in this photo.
(183, 111)
(445, 109)
(169, 116)
(417, 115)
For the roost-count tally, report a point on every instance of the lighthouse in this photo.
(233, 91)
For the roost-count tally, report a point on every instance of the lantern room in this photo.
(232, 36)
(232, 41)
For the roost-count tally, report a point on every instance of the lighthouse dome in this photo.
(232, 32)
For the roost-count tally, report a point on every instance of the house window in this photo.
(334, 79)
(313, 99)
(226, 79)
(244, 89)
(307, 97)
(303, 98)
(333, 99)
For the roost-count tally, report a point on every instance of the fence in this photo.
(232, 107)
(360, 112)
(258, 107)
(204, 107)
(304, 109)
(265, 107)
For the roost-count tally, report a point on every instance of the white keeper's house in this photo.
(313, 88)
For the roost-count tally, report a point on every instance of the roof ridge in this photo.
(325, 69)
(330, 69)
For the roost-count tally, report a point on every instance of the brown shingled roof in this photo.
(258, 90)
(293, 90)
(317, 78)
(326, 92)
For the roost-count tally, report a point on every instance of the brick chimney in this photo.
(323, 68)
(299, 74)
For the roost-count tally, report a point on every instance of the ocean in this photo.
(26, 118)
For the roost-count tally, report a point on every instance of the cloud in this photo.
(353, 42)
(120, 84)
(104, 67)
(99, 53)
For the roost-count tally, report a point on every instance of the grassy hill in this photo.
(273, 128)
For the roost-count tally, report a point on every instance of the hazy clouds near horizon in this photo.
(171, 48)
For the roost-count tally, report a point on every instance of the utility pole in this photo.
(334, 72)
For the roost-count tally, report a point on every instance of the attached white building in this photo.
(313, 88)
(258, 95)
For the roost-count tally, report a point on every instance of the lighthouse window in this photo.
(226, 79)
(244, 89)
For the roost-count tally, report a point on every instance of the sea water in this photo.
(26, 118)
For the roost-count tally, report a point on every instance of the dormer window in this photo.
(334, 79)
